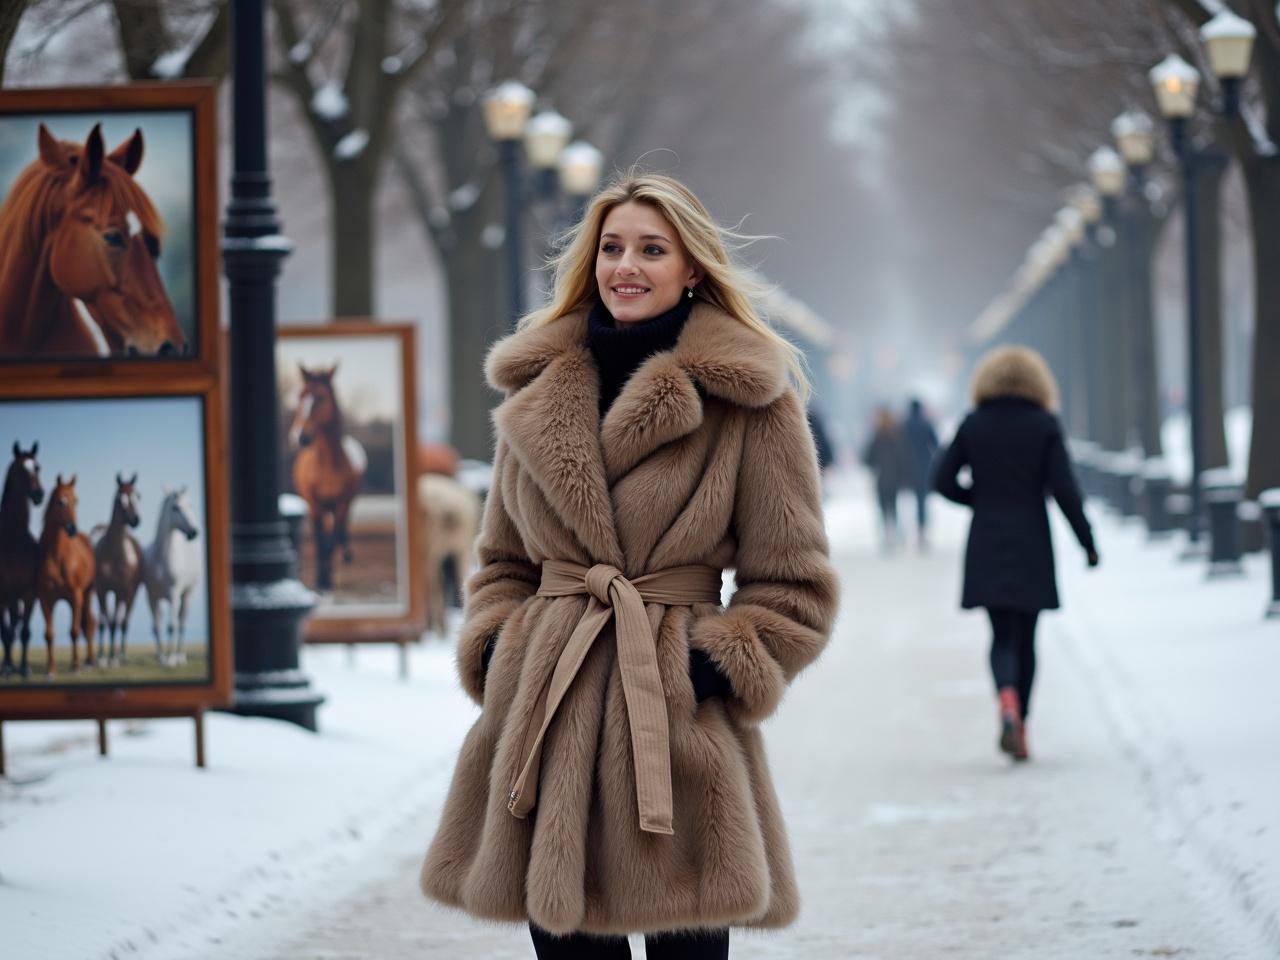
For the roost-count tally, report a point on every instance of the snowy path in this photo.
(1145, 827)
(912, 837)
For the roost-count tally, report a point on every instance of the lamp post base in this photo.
(268, 631)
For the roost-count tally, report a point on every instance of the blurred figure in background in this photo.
(1012, 444)
(922, 446)
(885, 456)
(821, 442)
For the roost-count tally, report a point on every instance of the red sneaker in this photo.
(1012, 736)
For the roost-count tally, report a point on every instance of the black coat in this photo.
(1015, 452)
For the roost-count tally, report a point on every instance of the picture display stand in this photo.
(348, 437)
(114, 523)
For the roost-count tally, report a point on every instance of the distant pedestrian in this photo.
(615, 780)
(821, 439)
(885, 456)
(1012, 444)
(922, 447)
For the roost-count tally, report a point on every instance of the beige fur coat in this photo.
(705, 457)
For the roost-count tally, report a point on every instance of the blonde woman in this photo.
(1012, 444)
(615, 781)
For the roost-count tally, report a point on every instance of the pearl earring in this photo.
(690, 293)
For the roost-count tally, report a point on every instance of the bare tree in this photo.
(10, 13)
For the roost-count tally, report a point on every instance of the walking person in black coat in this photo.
(1012, 444)
(886, 457)
(922, 446)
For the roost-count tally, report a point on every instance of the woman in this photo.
(615, 781)
(886, 457)
(1013, 447)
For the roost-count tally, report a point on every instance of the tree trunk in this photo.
(1262, 177)
(10, 13)
(351, 201)
(1211, 170)
(476, 319)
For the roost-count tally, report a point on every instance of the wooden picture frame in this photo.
(175, 162)
(377, 597)
(83, 423)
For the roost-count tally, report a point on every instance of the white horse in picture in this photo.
(171, 570)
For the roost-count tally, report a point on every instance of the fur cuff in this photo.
(476, 632)
(732, 642)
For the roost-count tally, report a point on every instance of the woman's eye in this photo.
(610, 248)
(654, 251)
(114, 238)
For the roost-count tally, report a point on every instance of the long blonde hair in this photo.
(706, 242)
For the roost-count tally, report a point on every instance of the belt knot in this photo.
(598, 580)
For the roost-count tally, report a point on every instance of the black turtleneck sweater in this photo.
(619, 350)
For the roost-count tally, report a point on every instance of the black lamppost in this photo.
(545, 136)
(1229, 42)
(506, 111)
(1135, 139)
(268, 602)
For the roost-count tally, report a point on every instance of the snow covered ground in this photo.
(1145, 826)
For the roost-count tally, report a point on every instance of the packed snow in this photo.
(1144, 825)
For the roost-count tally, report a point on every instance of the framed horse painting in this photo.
(347, 434)
(108, 228)
(113, 549)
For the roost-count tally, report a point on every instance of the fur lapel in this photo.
(551, 423)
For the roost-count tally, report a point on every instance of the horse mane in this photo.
(11, 493)
(36, 203)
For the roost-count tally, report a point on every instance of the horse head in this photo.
(61, 511)
(317, 406)
(127, 497)
(179, 513)
(104, 246)
(27, 469)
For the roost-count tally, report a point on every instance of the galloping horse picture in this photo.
(119, 573)
(64, 571)
(328, 469)
(74, 571)
(84, 246)
(18, 555)
(344, 422)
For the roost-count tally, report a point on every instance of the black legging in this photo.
(1013, 651)
(676, 945)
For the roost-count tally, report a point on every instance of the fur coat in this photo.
(1012, 444)
(704, 458)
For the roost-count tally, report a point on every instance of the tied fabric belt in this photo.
(613, 595)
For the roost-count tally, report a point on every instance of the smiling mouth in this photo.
(630, 291)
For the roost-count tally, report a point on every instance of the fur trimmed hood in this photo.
(1014, 371)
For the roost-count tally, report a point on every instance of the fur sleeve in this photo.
(781, 614)
(505, 579)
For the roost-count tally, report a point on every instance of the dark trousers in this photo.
(676, 945)
(1013, 651)
(922, 509)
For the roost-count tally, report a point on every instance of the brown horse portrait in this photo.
(118, 561)
(18, 555)
(65, 571)
(327, 470)
(79, 241)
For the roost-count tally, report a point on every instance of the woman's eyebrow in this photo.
(646, 236)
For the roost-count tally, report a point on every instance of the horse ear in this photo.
(129, 153)
(17, 451)
(91, 166)
(134, 479)
(333, 369)
(119, 479)
(59, 480)
(302, 370)
(34, 447)
(72, 481)
(52, 152)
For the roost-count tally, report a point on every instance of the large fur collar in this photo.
(730, 360)
(550, 419)
(1014, 371)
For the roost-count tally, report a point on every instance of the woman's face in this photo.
(642, 268)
